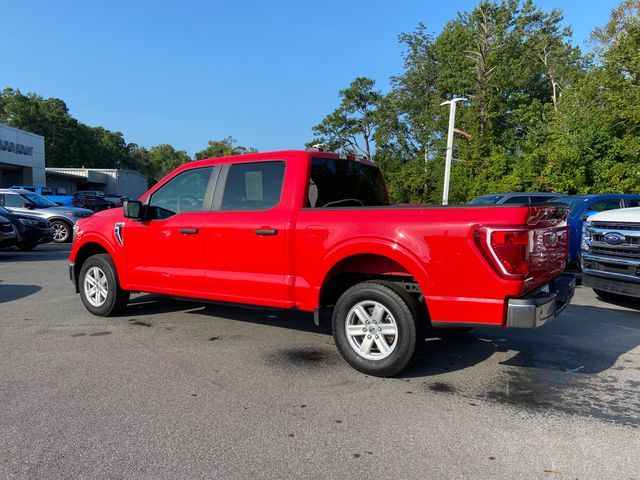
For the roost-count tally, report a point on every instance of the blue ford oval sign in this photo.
(613, 238)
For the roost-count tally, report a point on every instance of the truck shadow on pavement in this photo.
(577, 365)
(10, 292)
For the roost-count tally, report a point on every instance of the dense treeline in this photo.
(71, 143)
(541, 114)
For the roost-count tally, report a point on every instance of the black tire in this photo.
(401, 306)
(116, 299)
(27, 247)
(451, 332)
(61, 226)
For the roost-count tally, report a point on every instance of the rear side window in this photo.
(541, 198)
(345, 183)
(253, 186)
(520, 199)
(183, 193)
(634, 202)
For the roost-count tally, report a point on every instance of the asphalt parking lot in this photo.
(175, 390)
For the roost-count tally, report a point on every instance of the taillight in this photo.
(507, 249)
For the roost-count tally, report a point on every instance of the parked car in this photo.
(58, 195)
(515, 198)
(314, 231)
(91, 199)
(7, 234)
(116, 200)
(30, 231)
(62, 219)
(582, 207)
(610, 254)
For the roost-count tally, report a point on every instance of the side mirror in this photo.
(60, 204)
(132, 209)
(28, 205)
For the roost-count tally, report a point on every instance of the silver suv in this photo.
(62, 218)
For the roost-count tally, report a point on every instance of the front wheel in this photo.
(375, 330)
(61, 231)
(99, 287)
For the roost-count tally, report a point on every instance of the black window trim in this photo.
(208, 195)
(221, 184)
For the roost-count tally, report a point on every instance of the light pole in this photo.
(447, 167)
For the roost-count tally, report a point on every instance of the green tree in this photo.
(164, 158)
(351, 126)
(223, 148)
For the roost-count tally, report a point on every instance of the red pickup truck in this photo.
(314, 231)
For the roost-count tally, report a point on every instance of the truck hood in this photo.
(619, 215)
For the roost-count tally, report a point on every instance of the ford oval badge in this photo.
(614, 238)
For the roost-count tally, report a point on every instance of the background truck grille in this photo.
(616, 226)
(616, 252)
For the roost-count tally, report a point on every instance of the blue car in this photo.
(583, 206)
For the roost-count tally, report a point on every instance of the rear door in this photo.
(246, 236)
(165, 252)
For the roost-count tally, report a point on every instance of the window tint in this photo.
(634, 202)
(486, 200)
(184, 193)
(345, 183)
(541, 198)
(517, 199)
(253, 186)
(14, 201)
(602, 205)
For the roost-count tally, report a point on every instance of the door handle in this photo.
(266, 231)
(189, 231)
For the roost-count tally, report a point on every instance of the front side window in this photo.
(14, 201)
(345, 183)
(183, 193)
(253, 186)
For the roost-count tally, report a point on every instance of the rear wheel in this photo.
(375, 330)
(61, 231)
(99, 287)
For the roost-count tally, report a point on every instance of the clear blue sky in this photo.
(184, 72)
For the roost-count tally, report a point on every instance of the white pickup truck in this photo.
(610, 256)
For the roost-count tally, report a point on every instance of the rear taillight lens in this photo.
(507, 249)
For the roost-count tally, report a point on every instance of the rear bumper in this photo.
(539, 308)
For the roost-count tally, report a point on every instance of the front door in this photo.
(245, 235)
(165, 251)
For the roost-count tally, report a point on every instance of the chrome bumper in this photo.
(539, 308)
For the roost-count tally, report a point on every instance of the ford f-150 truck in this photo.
(314, 231)
(610, 253)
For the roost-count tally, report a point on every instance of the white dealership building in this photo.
(21, 157)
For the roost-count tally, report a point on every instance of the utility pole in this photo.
(447, 168)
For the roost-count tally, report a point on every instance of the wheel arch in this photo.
(88, 249)
(359, 262)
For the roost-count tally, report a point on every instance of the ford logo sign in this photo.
(613, 238)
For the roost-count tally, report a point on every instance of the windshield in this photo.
(38, 200)
(486, 200)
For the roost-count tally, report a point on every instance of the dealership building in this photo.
(21, 157)
(22, 162)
